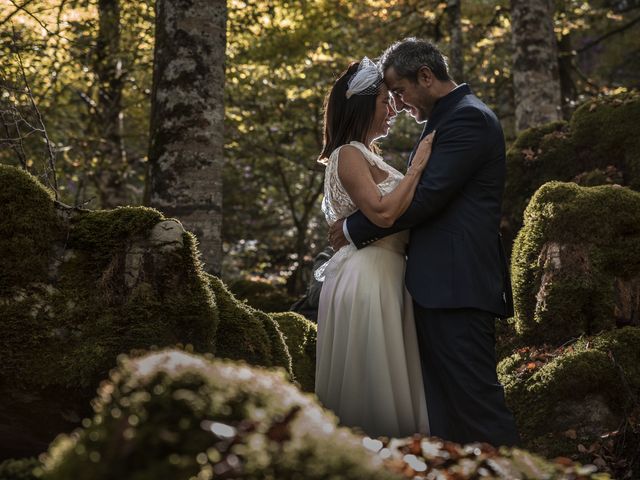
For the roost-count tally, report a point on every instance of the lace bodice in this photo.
(337, 203)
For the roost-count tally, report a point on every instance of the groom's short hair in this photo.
(409, 55)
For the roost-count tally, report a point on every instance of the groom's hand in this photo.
(336, 236)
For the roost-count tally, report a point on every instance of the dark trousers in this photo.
(464, 397)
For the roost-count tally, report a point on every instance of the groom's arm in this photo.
(458, 150)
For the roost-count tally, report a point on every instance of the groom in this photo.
(456, 269)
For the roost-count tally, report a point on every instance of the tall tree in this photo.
(110, 178)
(456, 50)
(535, 63)
(187, 116)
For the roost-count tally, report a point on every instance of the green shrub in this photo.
(261, 295)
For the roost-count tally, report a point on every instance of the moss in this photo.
(92, 286)
(597, 146)
(247, 334)
(604, 129)
(261, 295)
(179, 416)
(576, 245)
(22, 469)
(28, 229)
(587, 388)
(300, 335)
(90, 313)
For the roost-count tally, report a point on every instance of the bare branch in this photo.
(610, 33)
(50, 152)
(15, 143)
(18, 9)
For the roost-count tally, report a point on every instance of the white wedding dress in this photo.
(368, 366)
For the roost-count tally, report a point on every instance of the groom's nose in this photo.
(391, 110)
(398, 104)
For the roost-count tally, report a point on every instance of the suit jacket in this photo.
(455, 253)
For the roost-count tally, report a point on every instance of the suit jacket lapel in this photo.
(440, 110)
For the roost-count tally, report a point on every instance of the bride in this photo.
(368, 366)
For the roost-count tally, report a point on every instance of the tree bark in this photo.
(535, 63)
(186, 141)
(456, 60)
(110, 178)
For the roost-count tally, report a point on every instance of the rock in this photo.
(300, 335)
(179, 416)
(598, 146)
(572, 395)
(247, 334)
(175, 415)
(576, 263)
(78, 288)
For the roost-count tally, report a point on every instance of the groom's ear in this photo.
(425, 76)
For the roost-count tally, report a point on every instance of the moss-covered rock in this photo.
(570, 396)
(300, 335)
(178, 416)
(77, 289)
(22, 469)
(576, 262)
(262, 295)
(598, 146)
(247, 334)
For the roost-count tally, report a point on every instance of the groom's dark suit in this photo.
(456, 269)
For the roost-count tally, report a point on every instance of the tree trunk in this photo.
(456, 56)
(108, 131)
(187, 119)
(567, 85)
(535, 63)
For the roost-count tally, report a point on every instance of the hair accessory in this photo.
(366, 80)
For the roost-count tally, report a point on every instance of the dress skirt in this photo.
(368, 366)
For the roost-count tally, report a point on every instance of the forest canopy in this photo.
(76, 86)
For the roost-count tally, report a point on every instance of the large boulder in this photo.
(80, 287)
(180, 416)
(576, 263)
(599, 145)
(568, 399)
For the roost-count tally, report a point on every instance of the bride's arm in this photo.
(382, 210)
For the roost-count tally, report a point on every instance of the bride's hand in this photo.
(421, 158)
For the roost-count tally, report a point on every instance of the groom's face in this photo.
(409, 95)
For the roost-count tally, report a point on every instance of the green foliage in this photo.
(585, 389)
(22, 469)
(262, 295)
(577, 245)
(180, 416)
(300, 335)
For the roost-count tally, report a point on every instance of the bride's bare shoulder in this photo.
(350, 153)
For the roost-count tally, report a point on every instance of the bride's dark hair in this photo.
(345, 120)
